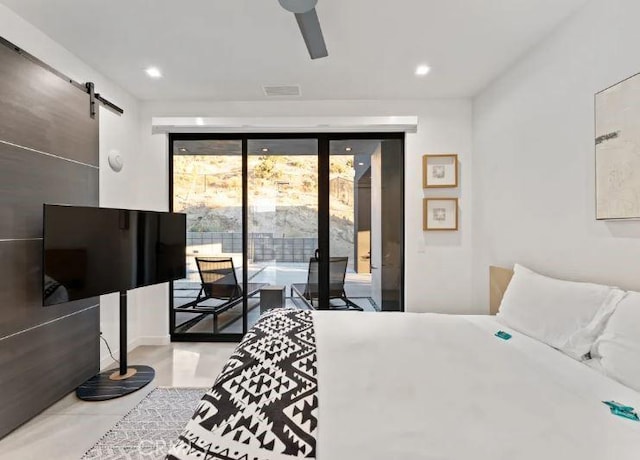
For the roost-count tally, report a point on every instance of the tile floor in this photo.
(66, 430)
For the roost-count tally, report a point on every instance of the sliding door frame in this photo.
(324, 157)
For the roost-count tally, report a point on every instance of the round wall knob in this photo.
(116, 162)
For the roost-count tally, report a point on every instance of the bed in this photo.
(384, 386)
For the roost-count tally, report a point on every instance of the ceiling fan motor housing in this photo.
(298, 6)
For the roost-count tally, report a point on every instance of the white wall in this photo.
(533, 163)
(438, 265)
(529, 181)
(116, 132)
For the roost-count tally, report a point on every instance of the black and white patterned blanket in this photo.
(264, 404)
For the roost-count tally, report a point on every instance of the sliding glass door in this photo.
(282, 217)
(297, 221)
(207, 186)
(367, 219)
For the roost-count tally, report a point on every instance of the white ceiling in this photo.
(228, 49)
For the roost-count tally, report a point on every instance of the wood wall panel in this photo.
(42, 366)
(59, 182)
(41, 111)
(21, 289)
(48, 153)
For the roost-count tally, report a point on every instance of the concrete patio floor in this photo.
(357, 288)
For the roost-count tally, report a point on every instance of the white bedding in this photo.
(422, 386)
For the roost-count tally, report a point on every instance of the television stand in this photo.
(123, 381)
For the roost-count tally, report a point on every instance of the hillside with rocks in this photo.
(282, 196)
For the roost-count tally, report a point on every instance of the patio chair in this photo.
(310, 292)
(218, 281)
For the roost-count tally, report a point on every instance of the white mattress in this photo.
(426, 386)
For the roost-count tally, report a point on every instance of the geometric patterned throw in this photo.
(149, 430)
(264, 404)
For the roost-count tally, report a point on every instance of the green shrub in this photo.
(267, 168)
(337, 168)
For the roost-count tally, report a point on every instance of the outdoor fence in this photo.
(261, 247)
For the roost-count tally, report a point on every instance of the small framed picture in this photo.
(440, 214)
(440, 171)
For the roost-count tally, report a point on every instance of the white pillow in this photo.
(618, 348)
(566, 315)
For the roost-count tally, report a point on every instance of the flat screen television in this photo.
(92, 251)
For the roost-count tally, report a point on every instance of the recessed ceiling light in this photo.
(422, 70)
(348, 149)
(153, 72)
(182, 149)
(360, 164)
(265, 149)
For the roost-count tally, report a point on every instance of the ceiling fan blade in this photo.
(312, 33)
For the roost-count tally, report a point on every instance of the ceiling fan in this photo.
(307, 17)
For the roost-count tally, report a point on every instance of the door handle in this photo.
(373, 267)
(317, 254)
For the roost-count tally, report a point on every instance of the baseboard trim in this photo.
(154, 340)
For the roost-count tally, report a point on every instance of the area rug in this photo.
(149, 429)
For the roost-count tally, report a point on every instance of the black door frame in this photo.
(324, 156)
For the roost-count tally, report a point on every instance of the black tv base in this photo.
(116, 383)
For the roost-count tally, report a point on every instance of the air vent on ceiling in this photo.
(281, 90)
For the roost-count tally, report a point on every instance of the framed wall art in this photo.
(440, 171)
(440, 214)
(618, 151)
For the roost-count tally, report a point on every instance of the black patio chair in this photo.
(218, 281)
(310, 292)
